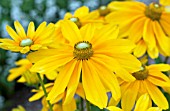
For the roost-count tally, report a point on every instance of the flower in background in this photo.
(82, 16)
(164, 2)
(23, 70)
(93, 54)
(33, 40)
(147, 26)
(142, 104)
(147, 80)
(58, 103)
(19, 108)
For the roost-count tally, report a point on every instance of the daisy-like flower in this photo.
(90, 56)
(57, 104)
(147, 80)
(147, 26)
(23, 70)
(82, 16)
(33, 40)
(142, 104)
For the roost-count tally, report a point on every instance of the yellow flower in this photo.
(147, 80)
(56, 103)
(33, 40)
(93, 52)
(19, 108)
(147, 26)
(82, 16)
(24, 71)
(164, 2)
(143, 104)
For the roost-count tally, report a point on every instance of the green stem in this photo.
(87, 105)
(82, 104)
(45, 92)
(166, 59)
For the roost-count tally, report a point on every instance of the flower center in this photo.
(103, 10)
(154, 11)
(142, 74)
(76, 21)
(83, 50)
(26, 42)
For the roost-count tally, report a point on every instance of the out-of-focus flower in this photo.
(33, 40)
(82, 16)
(165, 2)
(58, 103)
(19, 108)
(142, 104)
(23, 70)
(147, 26)
(89, 51)
(147, 80)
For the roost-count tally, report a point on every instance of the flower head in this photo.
(90, 56)
(33, 40)
(147, 80)
(147, 26)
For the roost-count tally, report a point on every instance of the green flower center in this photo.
(76, 21)
(83, 50)
(103, 10)
(154, 11)
(26, 42)
(142, 74)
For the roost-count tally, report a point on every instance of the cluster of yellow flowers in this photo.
(93, 53)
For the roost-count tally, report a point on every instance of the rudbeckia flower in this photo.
(23, 70)
(82, 16)
(147, 81)
(90, 56)
(147, 26)
(33, 40)
(58, 103)
(142, 104)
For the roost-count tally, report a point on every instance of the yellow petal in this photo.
(136, 30)
(153, 53)
(154, 109)
(114, 108)
(13, 34)
(129, 96)
(114, 65)
(80, 91)
(142, 103)
(107, 77)
(158, 81)
(71, 32)
(40, 29)
(114, 46)
(165, 25)
(94, 89)
(140, 49)
(62, 80)
(20, 30)
(25, 49)
(148, 34)
(163, 40)
(106, 32)
(81, 12)
(73, 83)
(87, 32)
(31, 30)
(51, 63)
(69, 107)
(156, 95)
(159, 67)
(67, 16)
